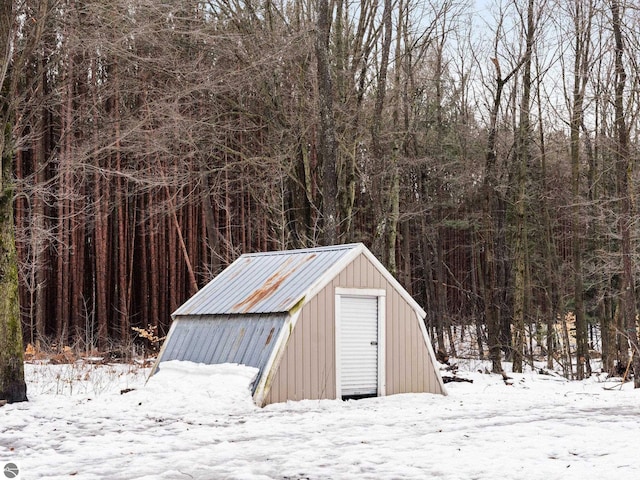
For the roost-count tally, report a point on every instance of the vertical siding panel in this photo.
(405, 346)
(286, 372)
(388, 349)
(307, 332)
(370, 276)
(392, 375)
(322, 319)
(376, 277)
(391, 331)
(197, 347)
(415, 347)
(349, 278)
(324, 351)
(316, 338)
(416, 351)
(352, 272)
(405, 349)
(330, 345)
(407, 328)
(290, 387)
(423, 359)
(327, 374)
(180, 339)
(427, 362)
(363, 273)
(397, 348)
(298, 364)
(416, 357)
(316, 359)
(341, 279)
(393, 327)
(409, 348)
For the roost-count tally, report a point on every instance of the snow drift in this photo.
(199, 422)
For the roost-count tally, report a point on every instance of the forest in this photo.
(486, 152)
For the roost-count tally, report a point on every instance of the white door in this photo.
(358, 345)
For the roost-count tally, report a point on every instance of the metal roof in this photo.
(243, 339)
(267, 282)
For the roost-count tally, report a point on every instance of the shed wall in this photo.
(307, 368)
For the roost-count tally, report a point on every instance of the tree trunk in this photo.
(625, 192)
(522, 158)
(476, 292)
(581, 65)
(12, 385)
(490, 200)
(327, 141)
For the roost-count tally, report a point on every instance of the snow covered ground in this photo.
(198, 422)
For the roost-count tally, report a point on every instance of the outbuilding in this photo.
(327, 322)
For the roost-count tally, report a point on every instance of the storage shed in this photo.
(327, 322)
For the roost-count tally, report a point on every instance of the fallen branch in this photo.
(456, 379)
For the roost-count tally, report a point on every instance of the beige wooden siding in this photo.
(307, 367)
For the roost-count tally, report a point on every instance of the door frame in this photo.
(380, 295)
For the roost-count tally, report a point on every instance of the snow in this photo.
(198, 422)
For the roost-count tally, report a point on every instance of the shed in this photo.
(327, 322)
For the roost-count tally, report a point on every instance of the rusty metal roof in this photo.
(267, 282)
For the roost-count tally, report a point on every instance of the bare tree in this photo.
(492, 229)
(583, 13)
(625, 193)
(523, 152)
(327, 140)
(18, 39)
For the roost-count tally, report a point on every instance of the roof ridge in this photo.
(326, 248)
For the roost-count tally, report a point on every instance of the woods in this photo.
(487, 156)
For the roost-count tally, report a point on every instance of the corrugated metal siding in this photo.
(242, 339)
(264, 282)
(307, 368)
